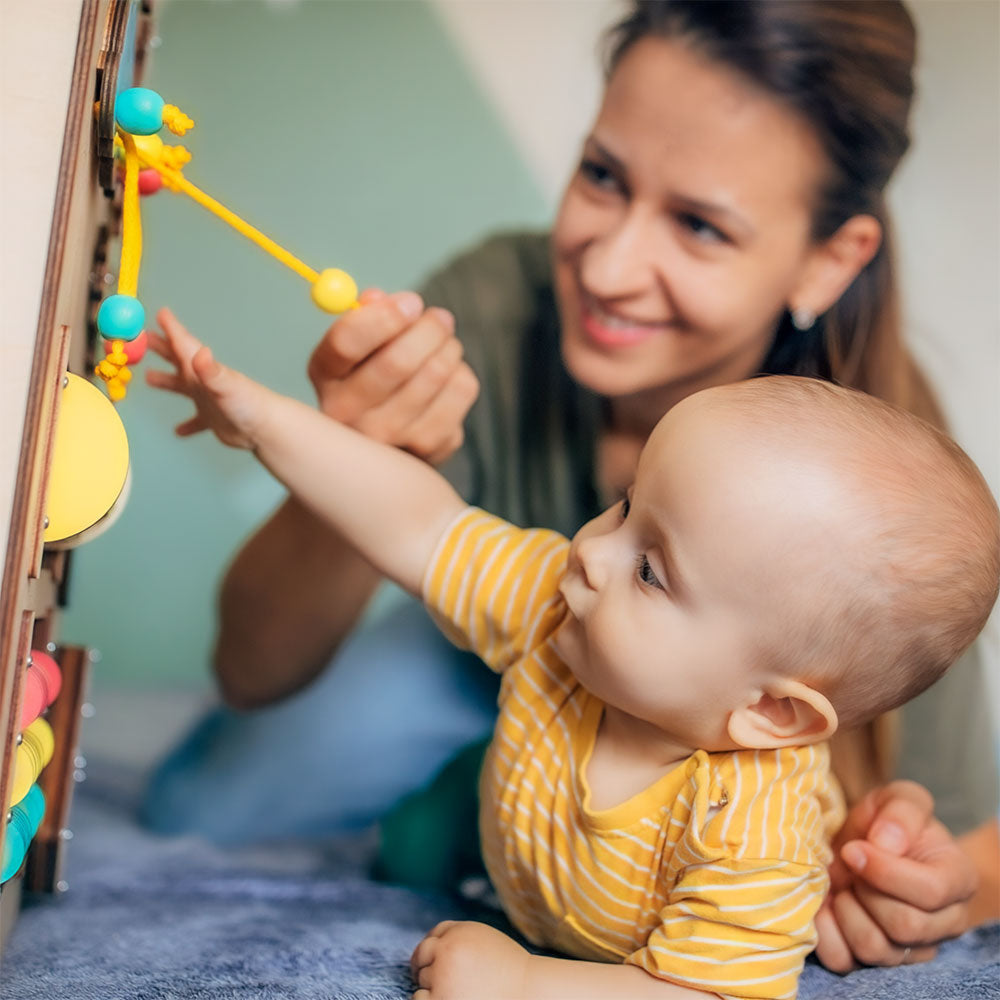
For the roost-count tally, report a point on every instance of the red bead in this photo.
(150, 181)
(134, 349)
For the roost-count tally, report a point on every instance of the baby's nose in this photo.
(593, 568)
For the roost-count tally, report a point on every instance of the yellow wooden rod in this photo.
(178, 181)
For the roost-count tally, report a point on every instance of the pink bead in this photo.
(134, 349)
(150, 181)
(42, 682)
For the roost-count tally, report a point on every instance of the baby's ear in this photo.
(788, 713)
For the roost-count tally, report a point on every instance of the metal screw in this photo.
(65, 381)
(62, 885)
(65, 834)
(87, 710)
(79, 776)
(80, 761)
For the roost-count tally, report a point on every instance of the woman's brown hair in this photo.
(845, 66)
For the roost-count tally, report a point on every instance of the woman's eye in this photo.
(702, 230)
(598, 174)
(626, 507)
(646, 574)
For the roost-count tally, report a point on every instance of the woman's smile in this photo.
(612, 330)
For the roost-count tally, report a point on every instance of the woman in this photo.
(727, 219)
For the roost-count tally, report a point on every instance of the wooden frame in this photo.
(82, 217)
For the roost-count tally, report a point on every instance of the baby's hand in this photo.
(464, 960)
(228, 403)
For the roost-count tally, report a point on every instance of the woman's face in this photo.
(685, 231)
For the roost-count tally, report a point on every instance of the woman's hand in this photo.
(900, 883)
(394, 371)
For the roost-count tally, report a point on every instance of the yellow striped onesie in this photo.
(709, 878)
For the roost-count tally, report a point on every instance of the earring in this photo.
(803, 319)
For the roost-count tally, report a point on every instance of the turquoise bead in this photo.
(139, 111)
(25, 818)
(121, 317)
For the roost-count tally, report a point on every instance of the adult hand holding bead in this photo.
(394, 370)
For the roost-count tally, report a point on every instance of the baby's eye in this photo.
(626, 507)
(646, 574)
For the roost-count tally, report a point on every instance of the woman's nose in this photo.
(624, 259)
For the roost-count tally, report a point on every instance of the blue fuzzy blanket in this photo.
(147, 917)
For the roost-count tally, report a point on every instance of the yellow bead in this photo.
(148, 145)
(334, 291)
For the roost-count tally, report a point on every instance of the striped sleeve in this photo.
(738, 927)
(492, 587)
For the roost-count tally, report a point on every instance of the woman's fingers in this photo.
(831, 947)
(359, 333)
(867, 940)
(936, 875)
(383, 373)
(437, 432)
(394, 371)
(902, 811)
(891, 817)
(911, 925)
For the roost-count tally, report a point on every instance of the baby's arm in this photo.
(393, 506)
(471, 961)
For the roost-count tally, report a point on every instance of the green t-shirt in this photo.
(529, 456)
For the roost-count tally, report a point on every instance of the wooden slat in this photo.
(45, 856)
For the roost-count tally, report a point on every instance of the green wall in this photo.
(350, 132)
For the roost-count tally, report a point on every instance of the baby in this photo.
(657, 798)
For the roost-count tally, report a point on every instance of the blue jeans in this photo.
(394, 705)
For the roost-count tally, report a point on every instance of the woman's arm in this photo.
(394, 371)
(290, 596)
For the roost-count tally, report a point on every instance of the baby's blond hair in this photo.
(917, 589)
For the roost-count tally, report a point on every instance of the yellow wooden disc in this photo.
(89, 460)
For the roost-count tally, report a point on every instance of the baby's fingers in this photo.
(193, 426)
(158, 345)
(179, 341)
(166, 381)
(206, 368)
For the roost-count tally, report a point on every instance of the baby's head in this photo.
(807, 556)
